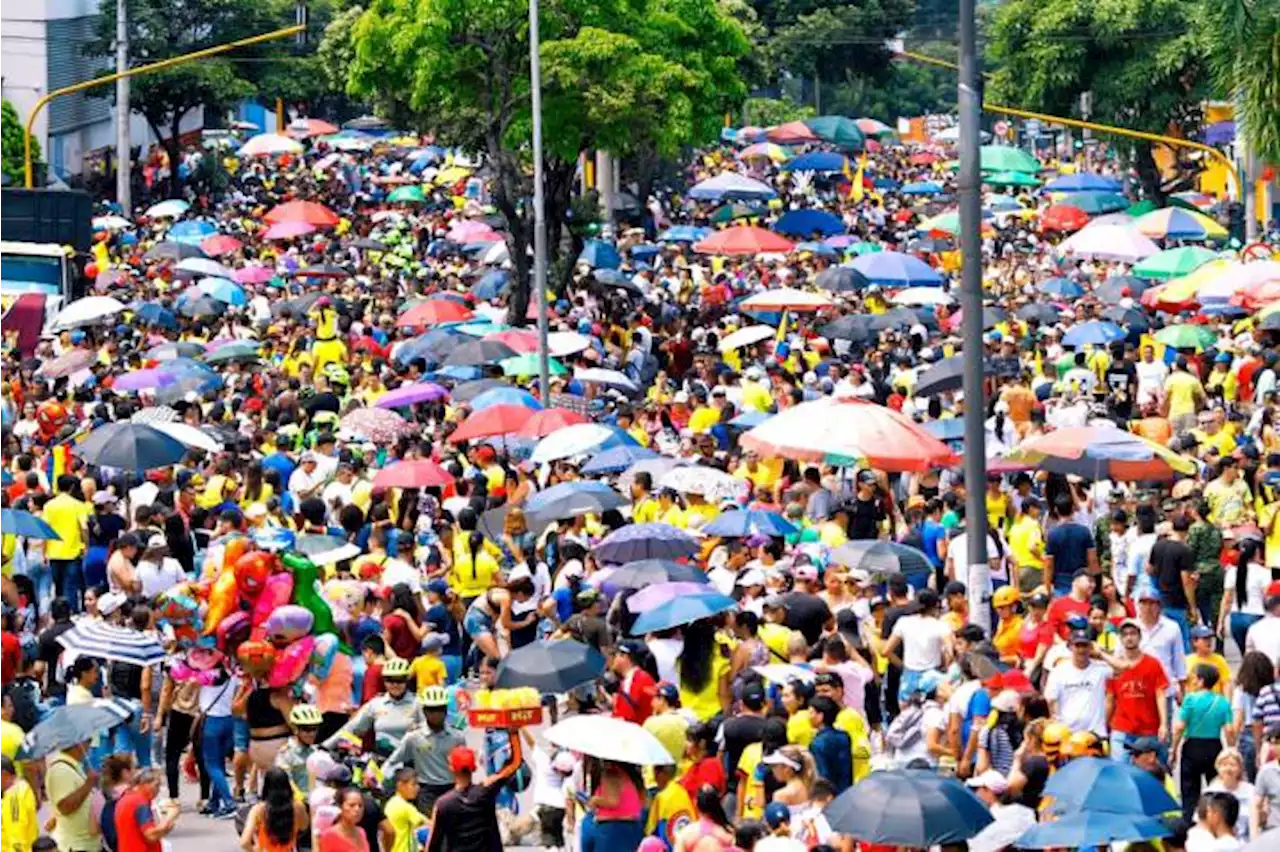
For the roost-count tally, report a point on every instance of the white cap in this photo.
(573, 568)
(156, 542)
(520, 572)
(681, 397)
(991, 779)
(110, 602)
(753, 373)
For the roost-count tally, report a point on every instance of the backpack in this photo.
(107, 825)
(904, 730)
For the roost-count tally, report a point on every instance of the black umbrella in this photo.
(841, 279)
(468, 391)
(646, 572)
(1038, 311)
(1132, 318)
(130, 446)
(172, 250)
(69, 725)
(947, 375)
(365, 122)
(1113, 290)
(852, 327)
(475, 353)
(204, 306)
(898, 318)
(322, 270)
(551, 667)
(908, 807)
(369, 244)
(880, 557)
(931, 245)
(992, 317)
(1271, 322)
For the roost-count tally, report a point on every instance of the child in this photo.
(428, 668)
(1203, 652)
(404, 818)
(672, 809)
(549, 776)
(1202, 720)
(19, 823)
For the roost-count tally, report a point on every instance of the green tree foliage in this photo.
(832, 39)
(1244, 51)
(635, 77)
(12, 149)
(1144, 61)
(767, 112)
(904, 90)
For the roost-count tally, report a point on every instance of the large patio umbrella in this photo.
(651, 541)
(1099, 452)
(838, 130)
(550, 666)
(1174, 262)
(1108, 242)
(496, 420)
(311, 212)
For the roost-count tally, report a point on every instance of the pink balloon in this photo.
(276, 592)
(291, 662)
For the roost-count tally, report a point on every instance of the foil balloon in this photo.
(291, 663)
(176, 603)
(233, 549)
(233, 630)
(306, 593)
(322, 656)
(288, 623)
(276, 592)
(252, 571)
(182, 672)
(222, 601)
(256, 657)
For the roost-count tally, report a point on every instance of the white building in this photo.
(42, 46)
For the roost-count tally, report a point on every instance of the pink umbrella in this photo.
(288, 230)
(472, 231)
(219, 244)
(254, 275)
(660, 593)
(521, 340)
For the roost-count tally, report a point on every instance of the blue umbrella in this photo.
(816, 248)
(895, 269)
(273, 538)
(570, 499)
(130, 446)
(802, 223)
(1093, 332)
(729, 186)
(1082, 182)
(505, 396)
(599, 254)
(749, 419)
(946, 430)
(1061, 288)
(223, 290)
(6, 478)
(684, 234)
(741, 523)
(819, 161)
(1095, 203)
(68, 726)
(431, 347)
(1089, 829)
(924, 187)
(908, 807)
(646, 541)
(885, 183)
(646, 572)
(191, 231)
(681, 611)
(492, 285)
(25, 524)
(617, 459)
(154, 313)
(1100, 784)
(644, 251)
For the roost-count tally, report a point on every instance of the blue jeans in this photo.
(68, 580)
(1119, 740)
(1179, 617)
(216, 739)
(610, 836)
(95, 567)
(127, 739)
(1240, 624)
(1249, 751)
(42, 579)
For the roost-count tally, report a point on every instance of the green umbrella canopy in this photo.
(1011, 179)
(730, 212)
(1174, 262)
(405, 194)
(527, 365)
(1186, 337)
(837, 130)
(1002, 158)
(1146, 205)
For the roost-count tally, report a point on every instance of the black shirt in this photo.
(863, 517)
(48, 650)
(323, 401)
(105, 528)
(467, 821)
(1170, 559)
(1036, 768)
(740, 732)
(807, 613)
(371, 820)
(1122, 384)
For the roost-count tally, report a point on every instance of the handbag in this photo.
(197, 726)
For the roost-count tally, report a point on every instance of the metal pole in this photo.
(124, 163)
(975, 455)
(539, 209)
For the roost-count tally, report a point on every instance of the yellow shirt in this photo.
(765, 474)
(405, 820)
(645, 511)
(427, 671)
(215, 491)
(705, 702)
(775, 637)
(469, 578)
(75, 830)
(671, 810)
(1181, 388)
(1219, 662)
(1025, 540)
(751, 788)
(670, 729)
(67, 516)
(268, 491)
(852, 723)
(675, 517)
(997, 508)
(1007, 639)
(702, 419)
(800, 729)
(700, 515)
(756, 397)
(1224, 440)
(19, 824)
(11, 736)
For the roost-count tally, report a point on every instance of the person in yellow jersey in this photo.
(1026, 544)
(644, 506)
(329, 347)
(19, 824)
(755, 394)
(401, 813)
(1183, 396)
(69, 517)
(669, 509)
(831, 684)
(795, 700)
(705, 415)
(671, 809)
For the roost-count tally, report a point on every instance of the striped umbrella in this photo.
(109, 642)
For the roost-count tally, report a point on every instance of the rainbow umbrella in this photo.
(1175, 223)
(1100, 452)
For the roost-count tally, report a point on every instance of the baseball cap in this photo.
(670, 693)
(1149, 593)
(752, 694)
(462, 759)
(110, 602)
(776, 813)
(1142, 745)
(628, 647)
(751, 577)
(1130, 622)
(102, 498)
(438, 586)
(774, 602)
(806, 572)
(1201, 631)
(1081, 637)
(991, 780)
(156, 542)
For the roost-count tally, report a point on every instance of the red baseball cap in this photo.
(462, 759)
(1273, 593)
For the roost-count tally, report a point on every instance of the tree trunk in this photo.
(559, 192)
(173, 147)
(1149, 173)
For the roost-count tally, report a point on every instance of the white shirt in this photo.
(396, 571)
(157, 578)
(300, 481)
(1256, 580)
(665, 654)
(548, 784)
(933, 718)
(1244, 795)
(1151, 378)
(1081, 695)
(1265, 637)
(922, 641)
(958, 556)
(216, 700)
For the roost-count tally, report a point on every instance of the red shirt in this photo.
(133, 814)
(1137, 692)
(709, 770)
(399, 638)
(372, 684)
(10, 656)
(1062, 609)
(634, 699)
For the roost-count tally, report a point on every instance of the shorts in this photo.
(551, 824)
(240, 734)
(477, 623)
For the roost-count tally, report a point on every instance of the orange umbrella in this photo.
(434, 312)
(744, 240)
(304, 128)
(791, 133)
(1063, 217)
(311, 212)
(549, 420)
(491, 422)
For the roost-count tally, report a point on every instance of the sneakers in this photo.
(227, 811)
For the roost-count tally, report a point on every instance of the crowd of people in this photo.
(1111, 603)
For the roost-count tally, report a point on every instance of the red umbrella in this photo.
(924, 158)
(311, 212)
(491, 422)
(366, 343)
(219, 244)
(521, 340)
(1063, 217)
(304, 128)
(416, 473)
(791, 133)
(288, 230)
(1259, 294)
(744, 240)
(434, 312)
(549, 420)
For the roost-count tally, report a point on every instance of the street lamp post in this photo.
(539, 208)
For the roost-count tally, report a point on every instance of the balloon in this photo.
(251, 572)
(222, 600)
(276, 592)
(233, 550)
(322, 657)
(306, 594)
(177, 603)
(181, 671)
(288, 623)
(291, 662)
(91, 270)
(344, 594)
(233, 630)
(257, 657)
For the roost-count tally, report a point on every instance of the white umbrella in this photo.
(496, 254)
(920, 297)
(562, 343)
(576, 440)
(609, 738)
(601, 376)
(715, 485)
(110, 223)
(88, 311)
(155, 415)
(108, 642)
(1109, 242)
(784, 673)
(170, 209)
(268, 144)
(336, 555)
(746, 337)
(204, 266)
(185, 433)
(656, 468)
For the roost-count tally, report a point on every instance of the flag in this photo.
(856, 189)
(57, 462)
(782, 327)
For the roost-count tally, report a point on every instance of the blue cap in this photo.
(1202, 631)
(776, 814)
(1223, 358)
(438, 586)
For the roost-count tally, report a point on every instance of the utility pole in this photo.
(124, 162)
(539, 209)
(975, 454)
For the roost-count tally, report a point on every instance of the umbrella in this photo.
(840, 130)
(72, 361)
(683, 610)
(1195, 337)
(379, 425)
(1002, 158)
(1099, 784)
(902, 318)
(224, 290)
(684, 234)
(1090, 829)
(841, 279)
(1011, 179)
(88, 311)
(947, 375)
(504, 395)
(653, 596)
(311, 212)
(204, 306)
(435, 312)
(106, 641)
(1093, 333)
(907, 807)
(1108, 242)
(412, 473)
(219, 244)
(849, 327)
(785, 299)
(288, 230)
(189, 435)
(140, 380)
(1174, 262)
(1174, 223)
(25, 524)
(407, 395)
(609, 738)
(492, 285)
(802, 223)
(715, 485)
(235, 351)
(469, 391)
(562, 343)
(616, 459)
(173, 250)
(269, 145)
(570, 499)
(179, 349)
(130, 446)
(1061, 288)
(747, 336)
(652, 542)
(322, 270)
(493, 421)
(744, 240)
(729, 186)
(764, 150)
(407, 195)
(1063, 217)
(848, 428)
(749, 419)
(791, 132)
(1083, 182)
(1131, 318)
(732, 212)
(550, 666)
(203, 267)
(578, 440)
(110, 223)
(599, 254)
(1038, 311)
(744, 523)
(1113, 290)
(1100, 452)
(881, 557)
(924, 187)
(154, 313)
(191, 231)
(170, 209)
(895, 269)
(546, 421)
(70, 725)
(253, 275)
(1096, 203)
(601, 376)
(475, 353)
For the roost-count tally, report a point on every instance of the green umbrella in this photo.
(1146, 205)
(859, 249)
(730, 212)
(236, 351)
(1096, 203)
(527, 365)
(1011, 179)
(407, 195)
(1174, 262)
(1002, 158)
(837, 130)
(1186, 336)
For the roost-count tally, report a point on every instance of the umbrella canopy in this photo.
(562, 343)
(947, 375)
(570, 499)
(923, 187)
(1100, 452)
(715, 485)
(1091, 829)
(25, 524)
(505, 395)
(747, 336)
(492, 421)
(130, 446)
(470, 391)
(1061, 288)
(407, 395)
(1109, 242)
(841, 279)
(649, 542)
(895, 269)
(785, 299)
(819, 161)
(88, 311)
(653, 596)
(1097, 203)
(233, 351)
(616, 459)
(803, 223)
(1038, 311)
(270, 144)
(1063, 217)
(1120, 287)
(311, 212)
(907, 807)
(609, 738)
(1093, 333)
(72, 361)
(791, 133)
(744, 523)
(600, 254)
(881, 557)
(646, 572)
(765, 150)
(191, 231)
(1100, 784)
(730, 186)
(475, 353)
(108, 642)
(848, 428)
(220, 244)
(546, 421)
(170, 209)
(139, 380)
(838, 130)
(578, 440)
(288, 230)
(683, 610)
(1195, 337)
(1174, 223)
(224, 290)
(550, 666)
(1130, 318)
(199, 267)
(70, 725)
(253, 275)
(1083, 182)
(413, 473)
(407, 195)
(1002, 158)
(684, 234)
(1174, 262)
(1011, 179)
(744, 240)
(435, 312)
(610, 378)
(173, 250)
(379, 425)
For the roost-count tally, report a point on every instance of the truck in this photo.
(44, 236)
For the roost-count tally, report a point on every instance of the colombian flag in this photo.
(57, 462)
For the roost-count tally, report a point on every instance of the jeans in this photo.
(128, 739)
(1249, 752)
(216, 738)
(1179, 617)
(1119, 739)
(1240, 624)
(611, 835)
(95, 567)
(68, 580)
(42, 580)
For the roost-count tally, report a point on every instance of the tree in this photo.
(768, 112)
(1244, 48)
(1144, 61)
(628, 77)
(12, 149)
(904, 90)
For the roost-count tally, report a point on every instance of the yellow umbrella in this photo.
(450, 175)
(1186, 288)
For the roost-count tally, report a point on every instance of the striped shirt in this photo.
(1266, 707)
(1000, 749)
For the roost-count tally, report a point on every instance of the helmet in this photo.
(1006, 596)
(305, 716)
(1055, 734)
(1082, 744)
(435, 697)
(395, 668)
